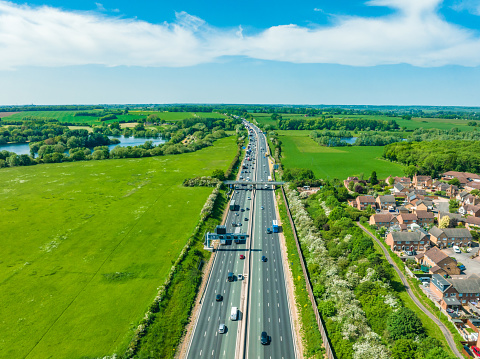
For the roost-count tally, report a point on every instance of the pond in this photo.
(24, 149)
(349, 140)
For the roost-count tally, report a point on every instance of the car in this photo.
(262, 207)
(456, 249)
(239, 224)
(234, 224)
(230, 277)
(264, 259)
(476, 350)
(242, 210)
(248, 209)
(246, 219)
(408, 253)
(242, 256)
(462, 267)
(249, 198)
(218, 298)
(237, 214)
(221, 328)
(269, 231)
(264, 338)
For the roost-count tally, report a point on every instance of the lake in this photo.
(24, 149)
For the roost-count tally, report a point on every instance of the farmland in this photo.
(132, 116)
(86, 244)
(299, 150)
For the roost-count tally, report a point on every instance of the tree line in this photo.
(435, 157)
(337, 124)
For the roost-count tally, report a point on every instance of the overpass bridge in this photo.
(254, 183)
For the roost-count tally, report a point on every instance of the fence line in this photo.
(321, 327)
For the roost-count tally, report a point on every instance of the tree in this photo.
(404, 324)
(444, 222)
(359, 188)
(218, 174)
(454, 181)
(351, 185)
(453, 206)
(404, 349)
(373, 178)
(391, 181)
(410, 171)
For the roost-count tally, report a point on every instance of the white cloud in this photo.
(414, 34)
(100, 6)
(472, 6)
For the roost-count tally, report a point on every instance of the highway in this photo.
(268, 305)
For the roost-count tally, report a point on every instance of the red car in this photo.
(242, 256)
(476, 351)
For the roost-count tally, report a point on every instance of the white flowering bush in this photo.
(349, 314)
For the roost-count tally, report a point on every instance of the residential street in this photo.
(445, 331)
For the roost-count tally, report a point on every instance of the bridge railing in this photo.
(321, 327)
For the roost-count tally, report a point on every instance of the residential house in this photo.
(440, 186)
(470, 210)
(402, 209)
(423, 205)
(383, 220)
(424, 218)
(407, 241)
(452, 191)
(362, 202)
(464, 177)
(456, 292)
(470, 186)
(462, 196)
(400, 189)
(471, 199)
(384, 202)
(472, 223)
(406, 181)
(438, 262)
(407, 218)
(448, 237)
(422, 181)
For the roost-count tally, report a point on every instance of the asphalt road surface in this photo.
(268, 304)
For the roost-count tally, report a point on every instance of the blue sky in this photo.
(405, 52)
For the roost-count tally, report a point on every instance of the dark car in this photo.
(246, 219)
(218, 298)
(248, 209)
(242, 210)
(264, 338)
(264, 259)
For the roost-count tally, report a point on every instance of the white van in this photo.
(234, 313)
(456, 249)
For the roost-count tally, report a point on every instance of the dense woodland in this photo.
(337, 124)
(435, 157)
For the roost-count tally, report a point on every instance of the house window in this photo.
(452, 294)
(407, 242)
(460, 295)
(464, 301)
(421, 242)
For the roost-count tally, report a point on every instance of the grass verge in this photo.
(311, 337)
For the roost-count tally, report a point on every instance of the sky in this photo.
(378, 52)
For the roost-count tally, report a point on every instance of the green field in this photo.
(414, 123)
(299, 150)
(85, 245)
(68, 116)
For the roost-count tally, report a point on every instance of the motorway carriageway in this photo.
(268, 304)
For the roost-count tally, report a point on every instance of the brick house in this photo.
(422, 181)
(448, 237)
(471, 199)
(440, 186)
(470, 210)
(362, 202)
(423, 205)
(424, 218)
(406, 181)
(472, 223)
(407, 218)
(452, 191)
(383, 202)
(408, 241)
(456, 292)
(438, 262)
(383, 220)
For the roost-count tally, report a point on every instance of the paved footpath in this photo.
(448, 335)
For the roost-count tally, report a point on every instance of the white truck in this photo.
(234, 313)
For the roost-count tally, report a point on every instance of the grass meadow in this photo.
(68, 116)
(86, 244)
(299, 150)
(414, 123)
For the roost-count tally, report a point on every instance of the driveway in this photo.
(472, 265)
